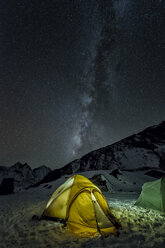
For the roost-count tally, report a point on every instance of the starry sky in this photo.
(77, 75)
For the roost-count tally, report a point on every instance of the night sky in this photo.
(76, 75)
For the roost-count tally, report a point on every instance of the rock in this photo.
(99, 182)
(115, 173)
(7, 186)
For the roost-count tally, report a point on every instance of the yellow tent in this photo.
(82, 205)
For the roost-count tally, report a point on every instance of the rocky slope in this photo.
(141, 151)
(22, 175)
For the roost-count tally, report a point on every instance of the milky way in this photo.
(77, 75)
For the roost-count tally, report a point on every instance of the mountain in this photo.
(142, 151)
(22, 175)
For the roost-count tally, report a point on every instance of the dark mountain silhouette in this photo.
(22, 176)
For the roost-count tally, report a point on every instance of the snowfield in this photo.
(140, 227)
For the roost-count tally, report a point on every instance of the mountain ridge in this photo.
(22, 175)
(145, 149)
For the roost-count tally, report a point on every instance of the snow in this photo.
(136, 158)
(140, 227)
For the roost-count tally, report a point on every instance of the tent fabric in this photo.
(153, 195)
(82, 205)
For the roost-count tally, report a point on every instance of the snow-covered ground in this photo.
(140, 227)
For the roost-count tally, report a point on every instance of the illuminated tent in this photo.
(83, 207)
(153, 195)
